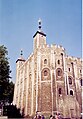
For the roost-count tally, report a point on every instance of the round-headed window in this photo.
(71, 92)
(58, 61)
(59, 90)
(70, 80)
(59, 72)
(81, 82)
(45, 73)
(45, 61)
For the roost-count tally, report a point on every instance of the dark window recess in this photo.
(62, 60)
(62, 54)
(72, 63)
(45, 73)
(45, 61)
(72, 69)
(60, 91)
(71, 92)
(58, 61)
(80, 71)
(70, 80)
(54, 52)
(81, 82)
(69, 69)
(59, 73)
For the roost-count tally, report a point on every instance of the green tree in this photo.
(6, 86)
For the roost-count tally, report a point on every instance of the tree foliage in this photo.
(12, 111)
(6, 86)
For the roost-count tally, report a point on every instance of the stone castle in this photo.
(49, 80)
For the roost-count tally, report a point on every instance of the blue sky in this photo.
(61, 21)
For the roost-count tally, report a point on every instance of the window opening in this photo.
(45, 73)
(59, 91)
(58, 61)
(70, 80)
(81, 82)
(59, 73)
(69, 69)
(80, 71)
(71, 92)
(45, 61)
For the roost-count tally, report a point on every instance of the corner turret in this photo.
(39, 37)
(20, 60)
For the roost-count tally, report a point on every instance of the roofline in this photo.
(20, 60)
(39, 33)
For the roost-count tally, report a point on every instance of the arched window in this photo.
(45, 61)
(45, 73)
(62, 54)
(59, 91)
(80, 71)
(71, 92)
(69, 69)
(81, 82)
(59, 71)
(58, 61)
(70, 80)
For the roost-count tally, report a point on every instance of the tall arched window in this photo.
(45, 61)
(81, 82)
(59, 91)
(45, 73)
(80, 71)
(70, 80)
(69, 69)
(58, 61)
(71, 92)
(59, 72)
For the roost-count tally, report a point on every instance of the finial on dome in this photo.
(39, 24)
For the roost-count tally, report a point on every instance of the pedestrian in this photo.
(35, 117)
(56, 116)
(53, 117)
(43, 117)
(39, 117)
(50, 116)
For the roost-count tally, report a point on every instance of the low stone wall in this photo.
(3, 117)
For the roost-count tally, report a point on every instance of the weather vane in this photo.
(21, 53)
(39, 24)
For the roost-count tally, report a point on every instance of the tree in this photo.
(6, 86)
(12, 111)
